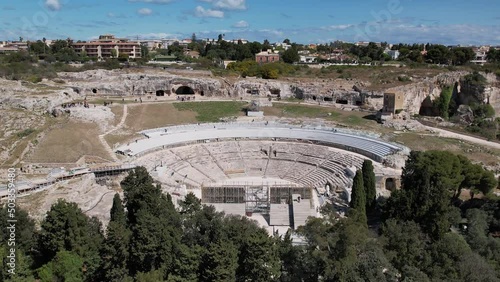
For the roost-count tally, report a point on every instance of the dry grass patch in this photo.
(353, 119)
(475, 153)
(145, 116)
(117, 110)
(68, 142)
(120, 139)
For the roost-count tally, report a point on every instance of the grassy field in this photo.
(297, 110)
(212, 111)
(145, 116)
(361, 120)
(419, 142)
(67, 142)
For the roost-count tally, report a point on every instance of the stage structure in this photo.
(257, 198)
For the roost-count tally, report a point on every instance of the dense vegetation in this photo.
(25, 66)
(147, 239)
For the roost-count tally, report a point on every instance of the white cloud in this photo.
(208, 13)
(228, 4)
(145, 12)
(53, 5)
(160, 35)
(241, 24)
(338, 27)
(231, 4)
(153, 1)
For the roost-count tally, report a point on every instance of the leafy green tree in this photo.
(186, 264)
(190, 205)
(358, 196)
(114, 53)
(443, 102)
(404, 244)
(117, 213)
(25, 229)
(369, 184)
(23, 265)
(266, 45)
(37, 47)
(219, 262)
(115, 250)
(154, 222)
(290, 56)
(493, 55)
(298, 264)
(144, 52)
(255, 47)
(472, 174)
(151, 276)
(269, 73)
(66, 266)
(453, 260)
(429, 181)
(259, 259)
(487, 183)
(203, 227)
(473, 268)
(462, 55)
(58, 45)
(66, 228)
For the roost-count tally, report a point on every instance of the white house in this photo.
(393, 53)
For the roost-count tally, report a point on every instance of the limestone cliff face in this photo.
(492, 92)
(117, 83)
(37, 98)
(416, 93)
(262, 88)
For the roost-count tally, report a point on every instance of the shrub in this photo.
(404, 78)
(475, 79)
(483, 111)
(35, 79)
(25, 132)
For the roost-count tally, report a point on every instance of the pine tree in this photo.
(358, 197)
(369, 184)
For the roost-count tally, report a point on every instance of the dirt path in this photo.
(449, 134)
(118, 126)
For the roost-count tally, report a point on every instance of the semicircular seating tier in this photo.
(203, 164)
(167, 137)
(199, 155)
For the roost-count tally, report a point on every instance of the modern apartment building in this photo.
(102, 47)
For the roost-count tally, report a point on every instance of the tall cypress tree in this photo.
(358, 197)
(115, 250)
(154, 223)
(369, 184)
(117, 212)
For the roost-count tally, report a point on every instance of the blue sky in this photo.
(314, 21)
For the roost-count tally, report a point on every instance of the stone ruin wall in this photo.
(113, 83)
(351, 92)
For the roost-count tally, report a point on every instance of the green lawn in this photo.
(296, 110)
(212, 111)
